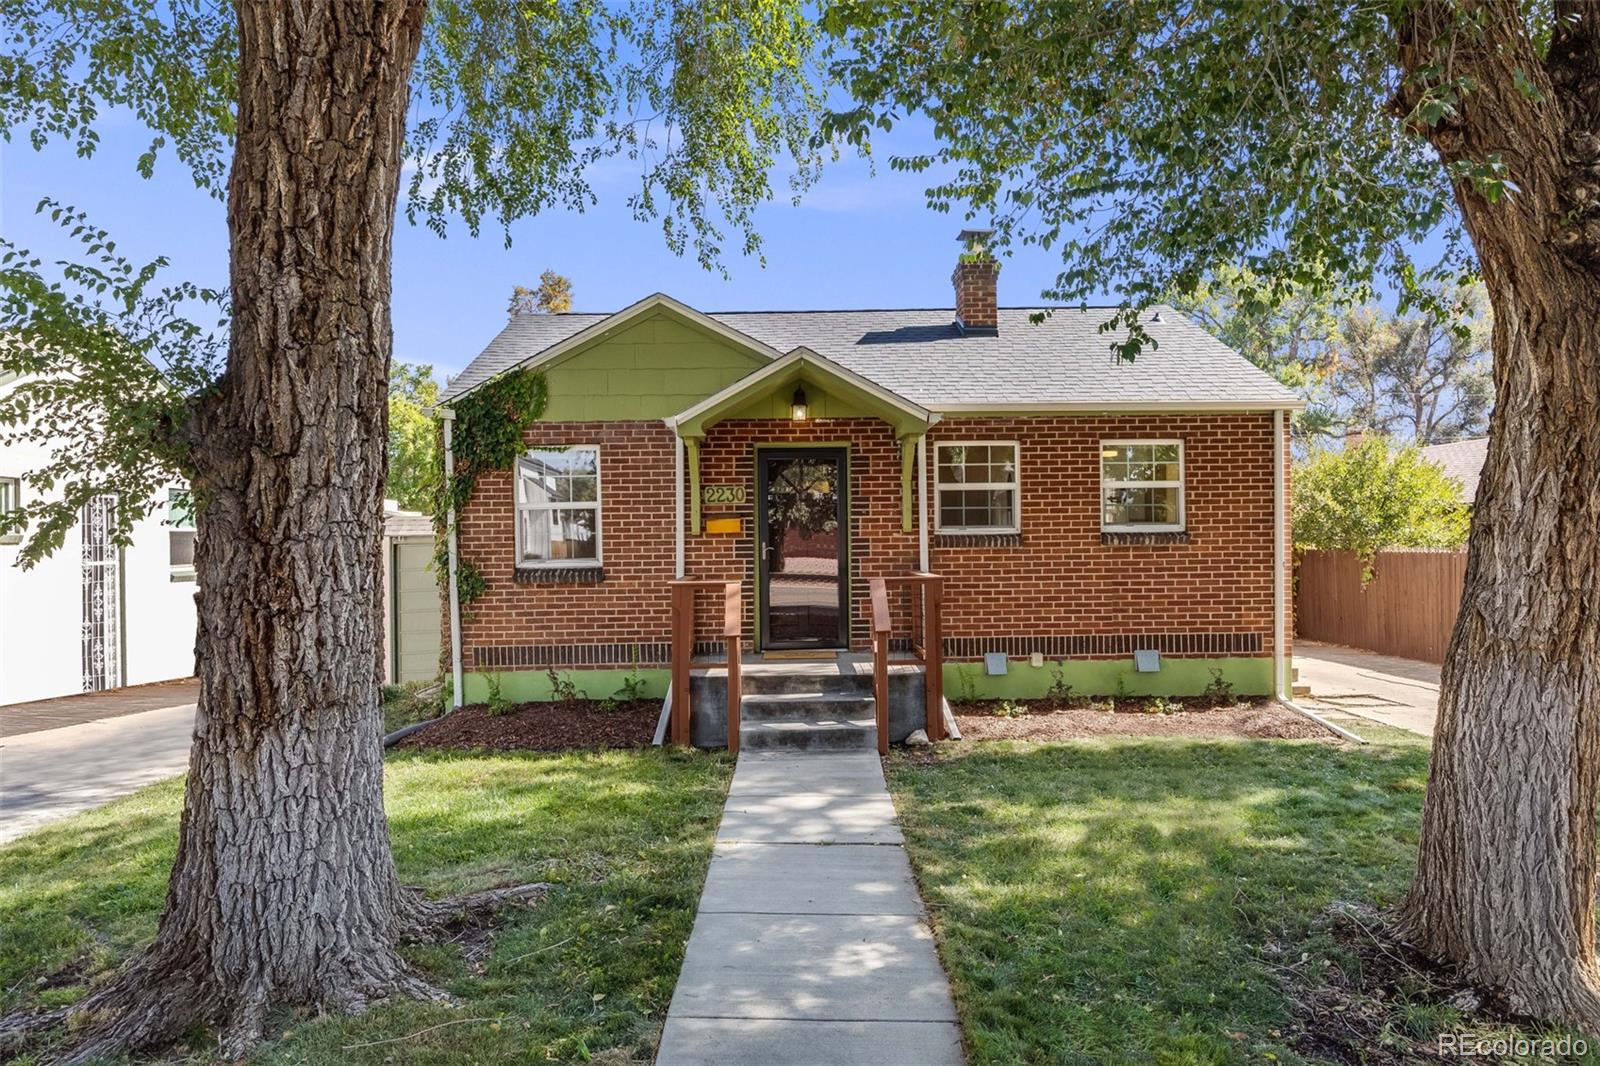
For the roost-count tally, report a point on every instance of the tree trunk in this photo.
(284, 889)
(1505, 882)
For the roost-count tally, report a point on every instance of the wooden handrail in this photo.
(732, 628)
(880, 660)
(683, 594)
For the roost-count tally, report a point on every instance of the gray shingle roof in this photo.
(921, 355)
(1462, 460)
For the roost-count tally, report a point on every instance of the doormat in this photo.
(800, 655)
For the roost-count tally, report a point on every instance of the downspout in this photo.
(1280, 599)
(678, 568)
(456, 695)
(922, 502)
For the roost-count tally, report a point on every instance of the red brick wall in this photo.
(636, 546)
(877, 546)
(1061, 580)
(1050, 589)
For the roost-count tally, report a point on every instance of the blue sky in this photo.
(859, 239)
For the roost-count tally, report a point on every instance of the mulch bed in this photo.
(1049, 719)
(573, 725)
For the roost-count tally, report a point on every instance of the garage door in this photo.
(416, 611)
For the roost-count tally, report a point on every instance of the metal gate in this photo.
(102, 599)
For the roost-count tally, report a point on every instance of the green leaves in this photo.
(526, 105)
(1368, 498)
(1151, 142)
(110, 365)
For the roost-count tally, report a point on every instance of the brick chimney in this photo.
(975, 277)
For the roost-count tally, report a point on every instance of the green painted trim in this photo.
(691, 445)
(1100, 677)
(908, 456)
(524, 686)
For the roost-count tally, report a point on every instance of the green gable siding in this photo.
(822, 405)
(652, 369)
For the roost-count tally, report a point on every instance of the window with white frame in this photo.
(558, 507)
(10, 500)
(978, 487)
(180, 533)
(1141, 486)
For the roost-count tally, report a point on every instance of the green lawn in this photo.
(624, 836)
(1119, 901)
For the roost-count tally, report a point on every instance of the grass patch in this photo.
(415, 701)
(625, 837)
(1134, 901)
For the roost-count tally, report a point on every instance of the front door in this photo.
(801, 547)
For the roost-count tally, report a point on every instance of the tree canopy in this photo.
(1373, 495)
(1150, 143)
(516, 105)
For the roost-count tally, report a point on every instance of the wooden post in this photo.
(880, 660)
(732, 623)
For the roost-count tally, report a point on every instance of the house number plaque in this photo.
(712, 494)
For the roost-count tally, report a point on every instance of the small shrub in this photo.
(1220, 691)
(1162, 705)
(609, 704)
(1103, 706)
(1059, 688)
(632, 686)
(969, 684)
(562, 687)
(447, 692)
(391, 693)
(498, 704)
(1122, 686)
(1010, 709)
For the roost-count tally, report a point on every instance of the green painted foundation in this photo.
(1088, 677)
(1106, 677)
(522, 686)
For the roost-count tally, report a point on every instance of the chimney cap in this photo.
(976, 240)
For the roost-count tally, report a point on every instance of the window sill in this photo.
(11, 538)
(181, 573)
(1168, 536)
(954, 539)
(558, 575)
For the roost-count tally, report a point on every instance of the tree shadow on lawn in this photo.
(1115, 901)
(624, 838)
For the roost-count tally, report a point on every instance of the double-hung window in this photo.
(10, 500)
(180, 533)
(978, 487)
(558, 507)
(1141, 486)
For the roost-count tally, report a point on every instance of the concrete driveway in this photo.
(58, 757)
(1398, 692)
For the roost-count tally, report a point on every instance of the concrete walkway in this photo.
(49, 774)
(811, 945)
(1398, 692)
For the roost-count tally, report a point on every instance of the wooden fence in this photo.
(1408, 608)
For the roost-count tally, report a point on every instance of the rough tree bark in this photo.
(1505, 883)
(284, 890)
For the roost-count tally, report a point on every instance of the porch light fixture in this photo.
(798, 410)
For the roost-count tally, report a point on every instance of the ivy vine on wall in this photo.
(489, 424)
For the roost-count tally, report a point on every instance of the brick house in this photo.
(809, 482)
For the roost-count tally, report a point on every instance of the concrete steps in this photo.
(786, 713)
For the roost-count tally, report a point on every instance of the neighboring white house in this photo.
(93, 615)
